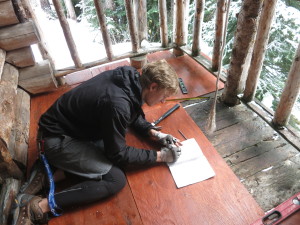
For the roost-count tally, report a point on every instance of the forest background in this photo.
(283, 41)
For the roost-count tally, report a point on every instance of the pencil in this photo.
(182, 134)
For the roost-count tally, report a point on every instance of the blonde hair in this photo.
(162, 73)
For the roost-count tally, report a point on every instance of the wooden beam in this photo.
(197, 26)
(103, 28)
(245, 33)
(38, 78)
(140, 10)
(179, 32)
(219, 32)
(67, 71)
(18, 36)
(260, 46)
(21, 57)
(67, 33)
(132, 27)
(7, 14)
(162, 5)
(290, 93)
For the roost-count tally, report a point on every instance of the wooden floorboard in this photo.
(133, 205)
(264, 161)
(219, 200)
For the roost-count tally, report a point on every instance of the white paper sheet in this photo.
(192, 166)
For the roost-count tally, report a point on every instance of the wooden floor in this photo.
(266, 164)
(249, 147)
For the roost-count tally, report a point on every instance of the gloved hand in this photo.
(165, 139)
(170, 154)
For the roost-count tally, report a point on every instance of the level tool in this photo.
(281, 212)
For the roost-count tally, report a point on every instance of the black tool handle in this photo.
(166, 114)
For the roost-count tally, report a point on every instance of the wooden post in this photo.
(259, 49)
(140, 9)
(21, 127)
(219, 31)
(179, 32)
(245, 33)
(290, 93)
(2, 60)
(70, 9)
(197, 26)
(131, 24)
(103, 28)
(18, 36)
(163, 22)
(8, 92)
(67, 33)
(21, 57)
(139, 61)
(7, 14)
(42, 44)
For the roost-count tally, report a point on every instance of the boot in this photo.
(28, 211)
(36, 180)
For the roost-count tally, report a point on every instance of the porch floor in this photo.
(267, 165)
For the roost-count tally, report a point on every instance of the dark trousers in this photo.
(84, 161)
(88, 191)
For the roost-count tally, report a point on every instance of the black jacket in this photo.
(103, 108)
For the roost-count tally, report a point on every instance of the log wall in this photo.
(17, 34)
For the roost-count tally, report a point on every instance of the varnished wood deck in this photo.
(220, 200)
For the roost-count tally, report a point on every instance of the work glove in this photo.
(170, 154)
(165, 139)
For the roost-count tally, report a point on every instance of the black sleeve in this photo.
(141, 125)
(115, 144)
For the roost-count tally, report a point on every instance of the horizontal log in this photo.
(2, 61)
(22, 57)
(8, 194)
(38, 78)
(7, 14)
(18, 36)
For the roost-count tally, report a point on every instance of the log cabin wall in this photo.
(20, 76)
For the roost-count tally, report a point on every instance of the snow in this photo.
(87, 42)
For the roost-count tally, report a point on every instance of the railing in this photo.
(253, 28)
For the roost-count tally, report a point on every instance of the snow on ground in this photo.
(86, 41)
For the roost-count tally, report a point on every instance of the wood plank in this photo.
(81, 76)
(276, 184)
(219, 200)
(264, 160)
